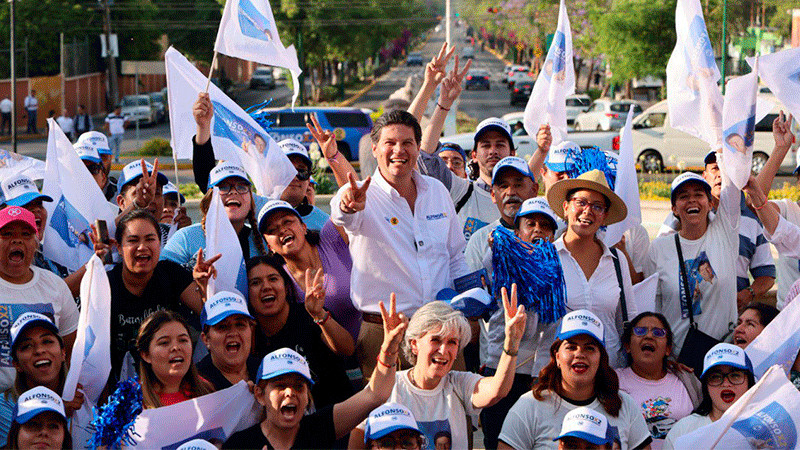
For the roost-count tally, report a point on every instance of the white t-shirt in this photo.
(66, 123)
(533, 424)
(116, 124)
(6, 106)
(442, 409)
(711, 271)
(46, 293)
(637, 244)
(685, 426)
(788, 269)
(479, 210)
(662, 402)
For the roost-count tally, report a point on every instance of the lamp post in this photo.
(13, 61)
(724, 46)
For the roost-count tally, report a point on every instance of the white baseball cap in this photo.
(558, 158)
(293, 147)
(578, 322)
(171, 189)
(97, 140)
(28, 320)
(537, 205)
(283, 361)
(225, 170)
(270, 207)
(133, 171)
(87, 152)
(19, 190)
(511, 162)
(387, 419)
(494, 124)
(221, 305)
(197, 444)
(726, 355)
(687, 177)
(36, 401)
(587, 424)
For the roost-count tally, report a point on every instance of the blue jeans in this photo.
(115, 142)
(32, 121)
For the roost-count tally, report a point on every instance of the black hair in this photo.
(705, 187)
(276, 262)
(766, 313)
(13, 433)
(135, 214)
(627, 333)
(396, 117)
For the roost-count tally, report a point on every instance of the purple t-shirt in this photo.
(336, 264)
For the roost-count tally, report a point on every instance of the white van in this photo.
(655, 141)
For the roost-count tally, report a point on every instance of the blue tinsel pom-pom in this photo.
(113, 422)
(536, 269)
(591, 158)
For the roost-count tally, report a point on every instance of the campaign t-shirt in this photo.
(45, 293)
(128, 311)
(209, 372)
(317, 430)
(685, 426)
(479, 210)
(302, 335)
(663, 402)
(533, 424)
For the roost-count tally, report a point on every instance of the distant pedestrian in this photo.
(67, 124)
(115, 125)
(83, 121)
(32, 107)
(5, 111)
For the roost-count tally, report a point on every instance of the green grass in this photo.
(190, 191)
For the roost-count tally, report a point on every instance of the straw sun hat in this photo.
(593, 180)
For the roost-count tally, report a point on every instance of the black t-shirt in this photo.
(210, 372)
(302, 335)
(128, 311)
(316, 431)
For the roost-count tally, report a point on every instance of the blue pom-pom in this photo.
(260, 116)
(591, 158)
(535, 268)
(113, 422)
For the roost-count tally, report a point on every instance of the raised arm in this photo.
(326, 140)
(354, 410)
(203, 160)
(448, 93)
(435, 71)
(782, 134)
(543, 141)
(334, 335)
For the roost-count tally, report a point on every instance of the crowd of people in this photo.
(341, 325)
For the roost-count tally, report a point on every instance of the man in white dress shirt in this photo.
(403, 230)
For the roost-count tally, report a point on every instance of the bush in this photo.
(654, 190)
(190, 190)
(325, 185)
(156, 147)
(594, 93)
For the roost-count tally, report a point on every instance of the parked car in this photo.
(415, 59)
(139, 108)
(655, 141)
(468, 53)
(347, 124)
(576, 104)
(606, 114)
(262, 76)
(478, 79)
(159, 102)
(521, 92)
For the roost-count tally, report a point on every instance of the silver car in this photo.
(606, 114)
(139, 108)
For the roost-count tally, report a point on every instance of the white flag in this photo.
(739, 127)
(695, 101)
(211, 417)
(548, 100)
(781, 72)
(626, 185)
(248, 31)
(778, 343)
(221, 239)
(78, 201)
(766, 416)
(15, 164)
(90, 364)
(235, 136)
(644, 293)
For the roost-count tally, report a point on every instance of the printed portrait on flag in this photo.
(73, 228)
(771, 427)
(555, 64)
(701, 278)
(739, 138)
(228, 126)
(700, 58)
(253, 23)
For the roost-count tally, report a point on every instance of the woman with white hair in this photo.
(440, 398)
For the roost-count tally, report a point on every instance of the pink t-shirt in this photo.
(663, 402)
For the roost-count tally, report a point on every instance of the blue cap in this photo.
(28, 320)
(537, 205)
(171, 189)
(197, 444)
(292, 147)
(514, 163)
(36, 401)
(388, 418)
(133, 171)
(587, 424)
(579, 322)
(225, 170)
(687, 177)
(726, 355)
(281, 362)
(494, 124)
(97, 140)
(711, 157)
(472, 303)
(19, 190)
(87, 152)
(559, 157)
(270, 207)
(222, 305)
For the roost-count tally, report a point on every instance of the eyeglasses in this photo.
(303, 174)
(736, 378)
(597, 208)
(655, 331)
(408, 443)
(240, 188)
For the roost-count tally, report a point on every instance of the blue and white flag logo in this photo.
(555, 64)
(781, 72)
(228, 125)
(253, 23)
(771, 427)
(701, 55)
(70, 225)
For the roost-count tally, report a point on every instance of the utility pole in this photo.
(447, 14)
(724, 39)
(13, 79)
(111, 61)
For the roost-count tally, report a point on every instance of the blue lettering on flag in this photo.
(771, 427)
(228, 125)
(555, 63)
(89, 342)
(253, 23)
(70, 225)
(701, 55)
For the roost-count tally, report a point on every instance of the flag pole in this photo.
(211, 71)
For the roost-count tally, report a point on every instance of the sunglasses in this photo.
(303, 174)
(655, 331)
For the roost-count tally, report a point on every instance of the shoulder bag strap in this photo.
(685, 281)
(465, 198)
(615, 258)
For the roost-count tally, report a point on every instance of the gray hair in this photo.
(435, 315)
